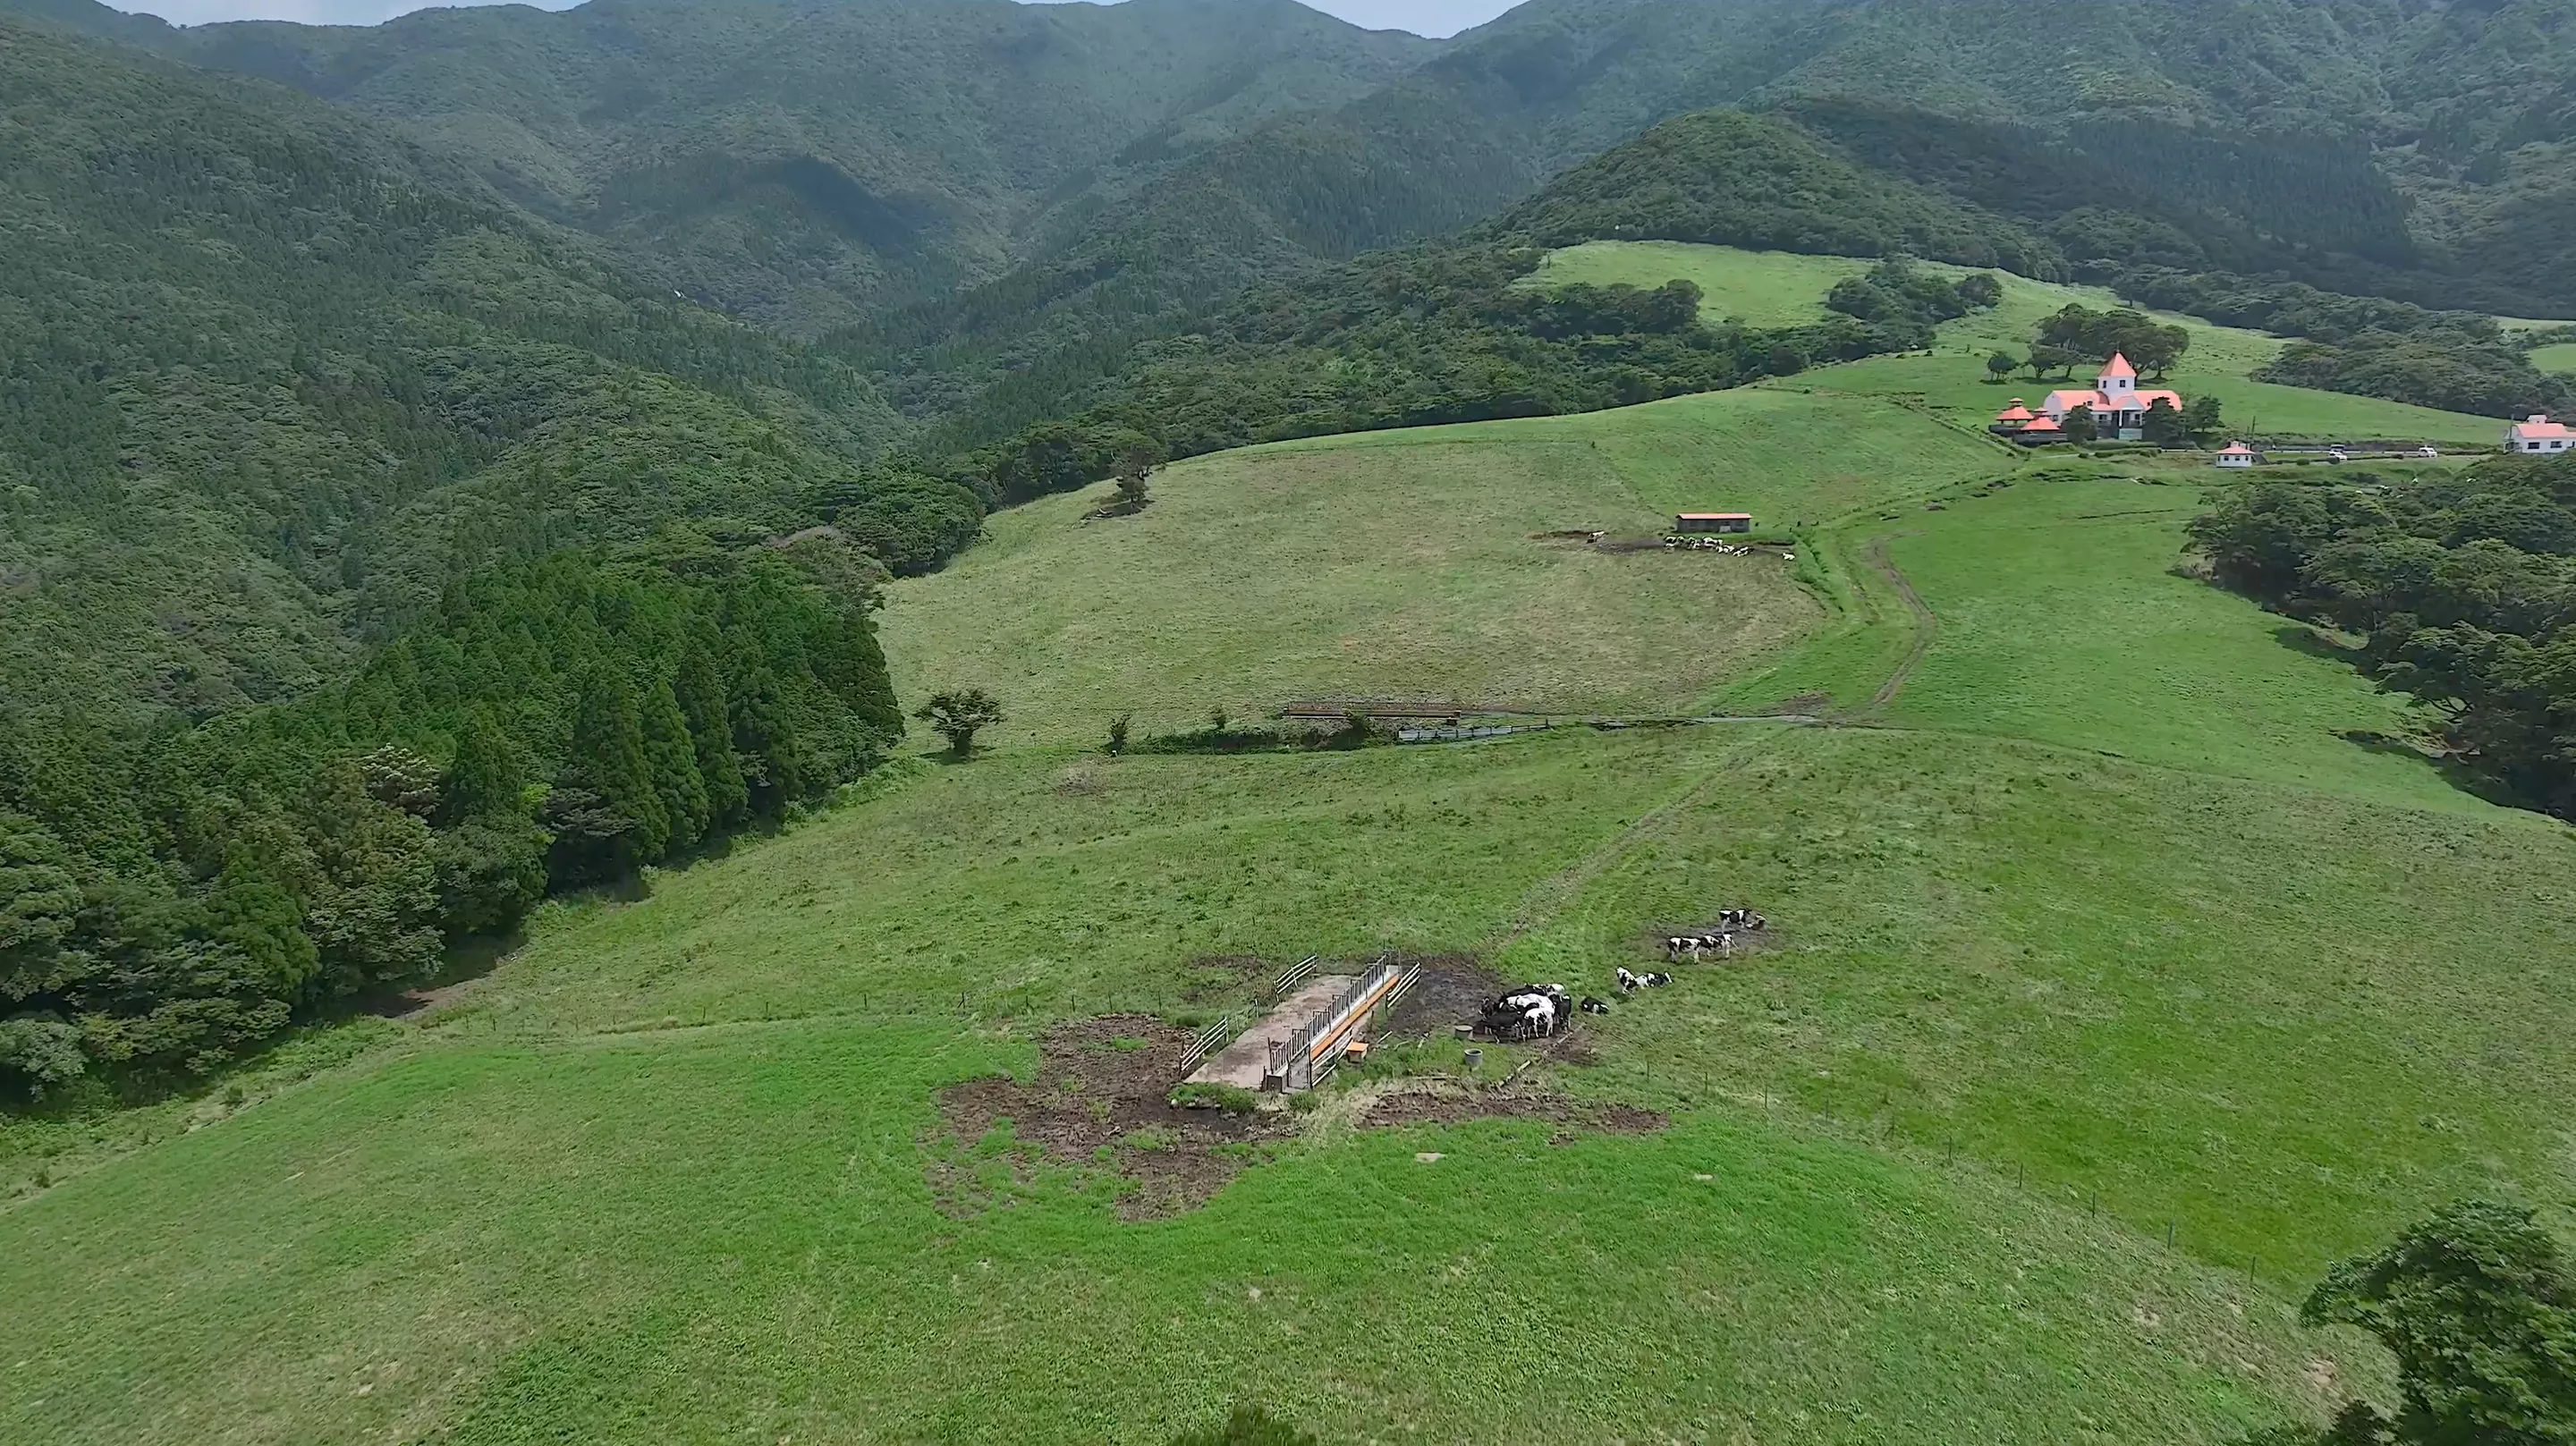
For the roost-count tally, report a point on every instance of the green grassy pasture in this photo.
(2557, 357)
(1770, 288)
(2060, 620)
(1403, 564)
(2117, 989)
(724, 1236)
(2279, 1020)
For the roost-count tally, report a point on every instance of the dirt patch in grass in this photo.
(1452, 989)
(1100, 1102)
(1444, 1104)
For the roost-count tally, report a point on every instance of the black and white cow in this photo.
(1533, 1011)
(1654, 981)
(1591, 1005)
(1629, 983)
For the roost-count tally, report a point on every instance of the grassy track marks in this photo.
(1552, 894)
(1926, 626)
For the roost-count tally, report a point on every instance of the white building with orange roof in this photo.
(2119, 408)
(2237, 454)
(2538, 434)
(2014, 417)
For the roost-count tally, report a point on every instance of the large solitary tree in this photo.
(2477, 1305)
(959, 714)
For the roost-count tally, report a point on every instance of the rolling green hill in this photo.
(2086, 1041)
(1295, 570)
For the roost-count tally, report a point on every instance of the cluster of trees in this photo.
(171, 896)
(2078, 335)
(2478, 1307)
(1731, 178)
(2465, 586)
(1408, 338)
(1897, 294)
(2369, 346)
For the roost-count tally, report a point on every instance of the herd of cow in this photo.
(1711, 544)
(1537, 1011)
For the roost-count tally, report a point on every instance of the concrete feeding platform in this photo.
(1246, 1061)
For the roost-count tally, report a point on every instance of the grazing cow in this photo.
(1656, 981)
(1628, 983)
(1681, 944)
(1591, 1005)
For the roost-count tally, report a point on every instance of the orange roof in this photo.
(2014, 413)
(1714, 516)
(2540, 427)
(2118, 366)
(2043, 424)
(2235, 449)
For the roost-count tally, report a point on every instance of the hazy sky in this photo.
(1422, 17)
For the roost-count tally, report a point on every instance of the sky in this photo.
(1422, 17)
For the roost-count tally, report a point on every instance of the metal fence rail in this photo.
(1309, 1054)
(1208, 1041)
(1294, 975)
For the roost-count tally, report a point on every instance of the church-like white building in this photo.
(2119, 408)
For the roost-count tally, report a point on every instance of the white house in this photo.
(2119, 408)
(2237, 454)
(2538, 434)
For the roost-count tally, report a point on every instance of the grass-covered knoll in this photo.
(2060, 619)
(517, 1228)
(1402, 564)
(1762, 288)
(2556, 357)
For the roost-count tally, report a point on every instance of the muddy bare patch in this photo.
(1100, 1102)
(1452, 989)
(1443, 1104)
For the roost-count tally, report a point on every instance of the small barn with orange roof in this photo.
(2237, 454)
(2013, 418)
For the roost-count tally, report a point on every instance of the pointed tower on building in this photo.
(2118, 383)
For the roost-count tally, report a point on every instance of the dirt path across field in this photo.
(1926, 626)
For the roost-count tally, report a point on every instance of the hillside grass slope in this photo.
(1411, 564)
(2121, 982)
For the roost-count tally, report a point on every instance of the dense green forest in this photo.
(269, 379)
(171, 896)
(2465, 586)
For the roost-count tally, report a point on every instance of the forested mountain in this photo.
(984, 203)
(803, 163)
(270, 378)
(2253, 135)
